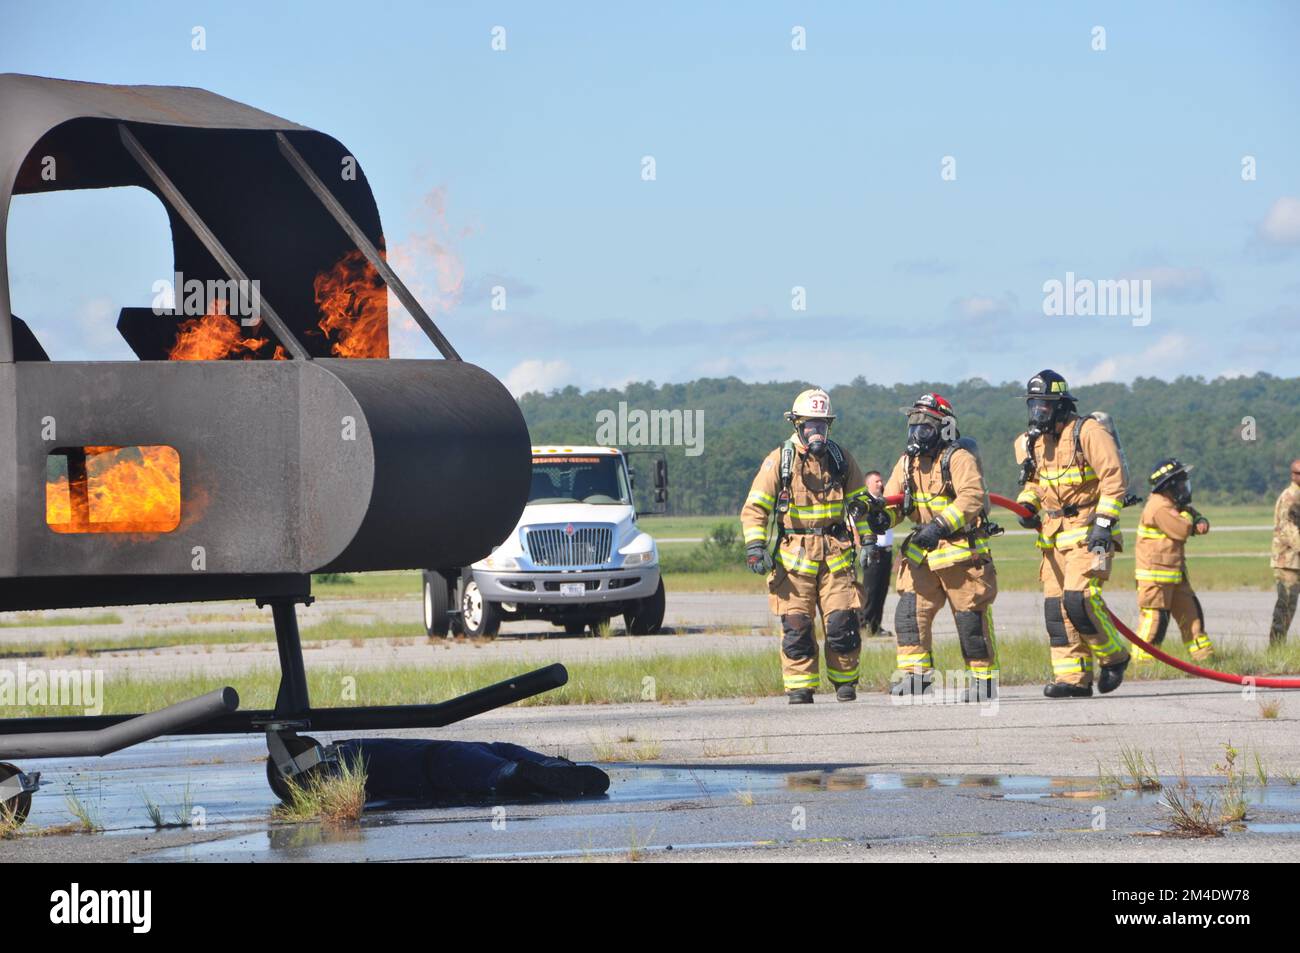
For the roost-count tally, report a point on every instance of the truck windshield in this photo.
(568, 478)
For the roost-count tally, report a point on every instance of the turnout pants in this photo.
(1156, 603)
(1078, 622)
(970, 588)
(796, 597)
(1288, 593)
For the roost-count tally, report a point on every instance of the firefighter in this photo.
(946, 558)
(1074, 485)
(1286, 557)
(1168, 519)
(802, 489)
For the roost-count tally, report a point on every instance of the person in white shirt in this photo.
(874, 586)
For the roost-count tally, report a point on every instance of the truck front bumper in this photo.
(533, 588)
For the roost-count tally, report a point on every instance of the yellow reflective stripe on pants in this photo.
(801, 681)
(982, 670)
(916, 660)
(1201, 643)
(1113, 645)
(1158, 575)
(1146, 632)
(842, 676)
(1069, 666)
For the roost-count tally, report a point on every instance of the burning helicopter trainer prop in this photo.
(236, 457)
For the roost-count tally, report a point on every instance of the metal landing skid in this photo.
(291, 756)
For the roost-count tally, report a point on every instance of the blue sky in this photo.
(775, 168)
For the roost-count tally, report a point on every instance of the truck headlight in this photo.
(501, 563)
(639, 559)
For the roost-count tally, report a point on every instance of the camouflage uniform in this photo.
(1286, 561)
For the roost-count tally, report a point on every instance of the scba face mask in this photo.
(922, 438)
(1042, 414)
(814, 435)
(1181, 490)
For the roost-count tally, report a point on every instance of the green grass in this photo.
(372, 585)
(703, 675)
(26, 619)
(335, 797)
(333, 628)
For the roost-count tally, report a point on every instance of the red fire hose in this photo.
(1188, 667)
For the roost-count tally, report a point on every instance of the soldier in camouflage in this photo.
(1286, 556)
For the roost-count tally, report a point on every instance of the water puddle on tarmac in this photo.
(221, 782)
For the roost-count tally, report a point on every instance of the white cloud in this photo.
(1281, 226)
(1166, 359)
(534, 375)
(1177, 284)
(978, 307)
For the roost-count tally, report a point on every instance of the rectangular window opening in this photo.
(113, 490)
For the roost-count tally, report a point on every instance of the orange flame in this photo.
(213, 337)
(118, 490)
(353, 303)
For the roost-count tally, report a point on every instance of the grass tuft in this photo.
(333, 797)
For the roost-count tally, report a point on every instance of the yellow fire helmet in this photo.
(812, 404)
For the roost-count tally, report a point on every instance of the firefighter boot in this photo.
(1066, 690)
(847, 692)
(911, 683)
(1111, 676)
(980, 690)
(801, 696)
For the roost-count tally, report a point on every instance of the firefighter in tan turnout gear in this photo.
(795, 527)
(946, 558)
(1168, 520)
(1074, 483)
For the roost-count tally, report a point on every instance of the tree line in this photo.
(1240, 433)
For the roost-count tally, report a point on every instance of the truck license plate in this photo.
(572, 589)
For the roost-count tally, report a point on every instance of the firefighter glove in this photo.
(877, 514)
(1033, 520)
(1099, 538)
(928, 536)
(758, 559)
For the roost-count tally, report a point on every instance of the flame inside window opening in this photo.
(217, 337)
(353, 303)
(113, 490)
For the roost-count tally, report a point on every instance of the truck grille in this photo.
(557, 546)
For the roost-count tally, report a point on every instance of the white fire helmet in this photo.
(812, 404)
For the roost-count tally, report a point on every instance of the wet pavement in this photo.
(653, 811)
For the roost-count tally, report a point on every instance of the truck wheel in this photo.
(481, 619)
(437, 601)
(648, 616)
(574, 628)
